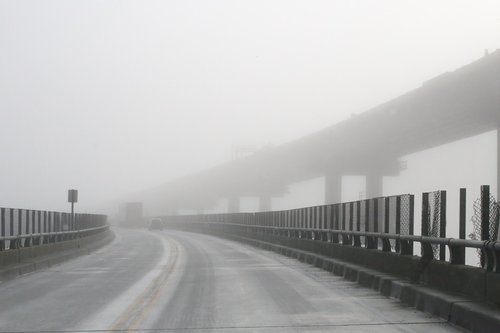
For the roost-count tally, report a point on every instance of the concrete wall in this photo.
(24, 260)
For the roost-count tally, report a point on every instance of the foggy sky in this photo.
(112, 97)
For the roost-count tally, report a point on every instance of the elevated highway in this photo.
(450, 107)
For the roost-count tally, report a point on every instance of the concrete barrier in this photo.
(24, 260)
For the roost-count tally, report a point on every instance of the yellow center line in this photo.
(141, 307)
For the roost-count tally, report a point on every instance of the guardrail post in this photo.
(457, 253)
(351, 216)
(37, 216)
(33, 226)
(19, 227)
(442, 224)
(386, 214)
(372, 242)
(309, 223)
(351, 221)
(12, 243)
(335, 222)
(375, 223)
(485, 220)
(45, 227)
(386, 244)
(343, 216)
(2, 228)
(425, 219)
(357, 238)
(411, 222)
(345, 238)
(397, 246)
(27, 240)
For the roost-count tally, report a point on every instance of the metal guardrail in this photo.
(81, 232)
(374, 241)
(385, 223)
(24, 227)
(29, 240)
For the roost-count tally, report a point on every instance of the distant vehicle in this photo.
(155, 223)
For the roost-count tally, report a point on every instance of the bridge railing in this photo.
(385, 224)
(26, 227)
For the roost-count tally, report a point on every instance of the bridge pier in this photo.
(265, 203)
(498, 161)
(374, 185)
(333, 188)
(233, 204)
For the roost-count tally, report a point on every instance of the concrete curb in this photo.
(82, 247)
(473, 315)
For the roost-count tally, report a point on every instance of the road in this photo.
(177, 281)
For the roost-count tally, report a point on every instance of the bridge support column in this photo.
(333, 189)
(233, 204)
(374, 185)
(265, 203)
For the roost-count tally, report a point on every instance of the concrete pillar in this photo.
(233, 204)
(374, 185)
(333, 188)
(265, 203)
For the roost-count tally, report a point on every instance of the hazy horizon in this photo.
(116, 97)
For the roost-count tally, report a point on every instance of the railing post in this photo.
(12, 243)
(357, 239)
(457, 254)
(2, 228)
(33, 225)
(485, 218)
(345, 238)
(368, 240)
(343, 216)
(386, 244)
(386, 214)
(442, 224)
(351, 221)
(425, 215)
(425, 225)
(372, 242)
(39, 222)
(335, 219)
(45, 223)
(375, 223)
(19, 226)
(27, 240)
(397, 247)
(411, 222)
(351, 216)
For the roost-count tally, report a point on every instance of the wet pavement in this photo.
(177, 281)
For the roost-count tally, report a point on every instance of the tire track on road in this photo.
(141, 306)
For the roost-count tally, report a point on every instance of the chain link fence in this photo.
(493, 222)
(434, 220)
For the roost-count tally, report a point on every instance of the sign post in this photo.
(73, 197)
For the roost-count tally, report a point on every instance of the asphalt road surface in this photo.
(184, 282)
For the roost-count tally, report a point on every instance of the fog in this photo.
(117, 97)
